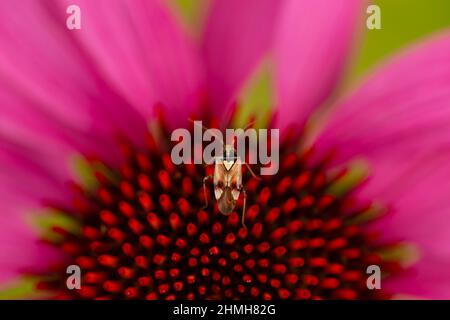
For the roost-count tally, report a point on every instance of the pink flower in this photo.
(68, 93)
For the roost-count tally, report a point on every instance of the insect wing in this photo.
(227, 185)
(226, 201)
(220, 174)
(235, 179)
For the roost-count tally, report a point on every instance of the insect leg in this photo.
(243, 208)
(250, 124)
(204, 190)
(251, 171)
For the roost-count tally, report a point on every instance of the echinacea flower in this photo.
(109, 94)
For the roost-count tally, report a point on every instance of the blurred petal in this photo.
(27, 180)
(399, 122)
(426, 279)
(57, 80)
(143, 52)
(106, 76)
(400, 113)
(21, 251)
(237, 35)
(312, 43)
(419, 214)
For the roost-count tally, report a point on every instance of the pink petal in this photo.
(42, 69)
(419, 215)
(102, 78)
(399, 122)
(427, 279)
(400, 113)
(141, 50)
(312, 43)
(237, 35)
(20, 250)
(27, 180)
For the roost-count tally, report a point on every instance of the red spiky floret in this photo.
(144, 237)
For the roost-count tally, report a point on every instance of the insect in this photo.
(227, 180)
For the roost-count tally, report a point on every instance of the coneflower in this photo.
(373, 178)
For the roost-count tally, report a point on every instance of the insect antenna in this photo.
(206, 128)
(250, 124)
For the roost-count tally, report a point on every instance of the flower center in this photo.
(144, 235)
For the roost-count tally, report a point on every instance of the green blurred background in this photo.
(402, 22)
